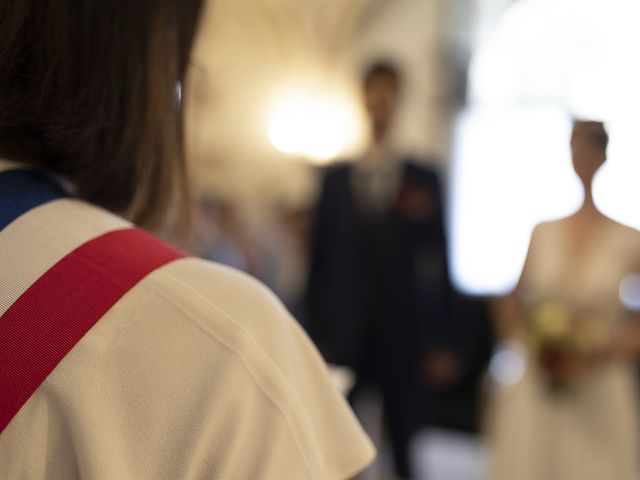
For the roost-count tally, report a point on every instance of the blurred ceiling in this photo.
(250, 51)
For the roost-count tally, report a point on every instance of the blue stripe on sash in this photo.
(22, 190)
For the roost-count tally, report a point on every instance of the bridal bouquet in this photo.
(560, 338)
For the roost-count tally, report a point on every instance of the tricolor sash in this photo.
(42, 326)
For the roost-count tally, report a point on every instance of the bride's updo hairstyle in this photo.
(89, 89)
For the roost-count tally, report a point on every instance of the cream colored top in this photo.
(198, 372)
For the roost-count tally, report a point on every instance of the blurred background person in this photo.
(221, 235)
(378, 291)
(283, 256)
(573, 414)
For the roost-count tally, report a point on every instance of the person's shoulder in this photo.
(420, 168)
(234, 309)
(228, 290)
(244, 317)
(337, 169)
(202, 290)
(335, 179)
(189, 335)
(553, 224)
(623, 228)
(549, 230)
(624, 236)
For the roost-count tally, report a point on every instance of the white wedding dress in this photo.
(591, 432)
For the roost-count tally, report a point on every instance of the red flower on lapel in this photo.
(415, 202)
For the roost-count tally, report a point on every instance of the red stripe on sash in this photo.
(47, 321)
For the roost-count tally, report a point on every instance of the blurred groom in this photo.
(377, 298)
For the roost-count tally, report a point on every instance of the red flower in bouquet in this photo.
(561, 339)
(556, 361)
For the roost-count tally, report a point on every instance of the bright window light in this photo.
(547, 61)
(511, 170)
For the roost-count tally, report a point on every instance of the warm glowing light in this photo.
(315, 126)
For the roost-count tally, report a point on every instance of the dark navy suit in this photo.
(378, 292)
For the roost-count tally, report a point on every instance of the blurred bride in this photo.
(572, 414)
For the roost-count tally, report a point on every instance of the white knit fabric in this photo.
(197, 373)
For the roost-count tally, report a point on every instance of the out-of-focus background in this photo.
(489, 91)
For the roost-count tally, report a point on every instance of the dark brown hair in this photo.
(88, 90)
(595, 130)
(382, 68)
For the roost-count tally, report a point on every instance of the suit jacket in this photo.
(378, 279)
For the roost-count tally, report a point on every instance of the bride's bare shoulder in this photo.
(625, 231)
(551, 226)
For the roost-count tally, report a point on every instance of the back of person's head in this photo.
(88, 90)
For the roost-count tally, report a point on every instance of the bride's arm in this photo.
(625, 343)
(507, 310)
(508, 314)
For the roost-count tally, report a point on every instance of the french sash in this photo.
(42, 326)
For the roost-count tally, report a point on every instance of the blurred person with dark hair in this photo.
(378, 284)
(120, 356)
(572, 415)
(282, 260)
(223, 238)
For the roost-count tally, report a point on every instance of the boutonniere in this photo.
(415, 202)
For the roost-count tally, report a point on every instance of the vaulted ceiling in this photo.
(248, 50)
